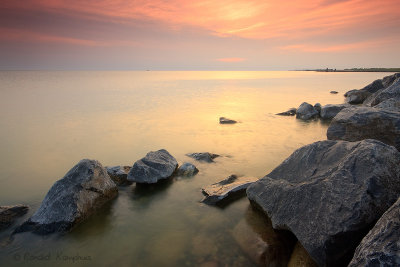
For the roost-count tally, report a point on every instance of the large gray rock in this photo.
(329, 111)
(119, 174)
(393, 91)
(391, 104)
(356, 96)
(203, 156)
(8, 214)
(155, 166)
(330, 194)
(306, 111)
(187, 169)
(381, 246)
(358, 123)
(84, 189)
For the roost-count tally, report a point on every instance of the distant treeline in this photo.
(359, 70)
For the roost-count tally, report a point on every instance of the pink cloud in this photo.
(231, 59)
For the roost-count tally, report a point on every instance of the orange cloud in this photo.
(231, 59)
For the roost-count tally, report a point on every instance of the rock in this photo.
(318, 107)
(8, 214)
(393, 91)
(306, 112)
(329, 194)
(391, 104)
(358, 123)
(187, 169)
(381, 246)
(301, 258)
(224, 120)
(334, 92)
(356, 96)
(227, 189)
(84, 189)
(203, 156)
(155, 166)
(119, 174)
(290, 112)
(329, 111)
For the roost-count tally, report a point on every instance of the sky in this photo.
(198, 35)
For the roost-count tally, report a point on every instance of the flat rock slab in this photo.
(329, 194)
(226, 189)
(155, 166)
(187, 169)
(381, 246)
(8, 214)
(83, 190)
(203, 156)
(223, 120)
(119, 174)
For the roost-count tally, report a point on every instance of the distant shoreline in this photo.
(356, 70)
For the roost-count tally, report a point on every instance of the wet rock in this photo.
(119, 174)
(203, 156)
(392, 91)
(223, 120)
(334, 92)
(329, 111)
(83, 190)
(301, 258)
(290, 112)
(358, 123)
(227, 189)
(381, 246)
(318, 107)
(306, 112)
(391, 104)
(155, 166)
(8, 214)
(329, 194)
(187, 169)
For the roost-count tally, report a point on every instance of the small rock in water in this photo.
(224, 120)
(306, 112)
(334, 92)
(9, 213)
(119, 174)
(187, 169)
(318, 107)
(203, 156)
(290, 112)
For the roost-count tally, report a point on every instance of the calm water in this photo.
(51, 120)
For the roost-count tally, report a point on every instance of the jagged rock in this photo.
(187, 169)
(155, 166)
(203, 156)
(8, 214)
(119, 174)
(334, 92)
(391, 104)
(84, 189)
(306, 112)
(290, 112)
(392, 91)
(356, 96)
(226, 189)
(330, 194)
(329, 111)
(224, 120)
(358, 123)
(381, 246)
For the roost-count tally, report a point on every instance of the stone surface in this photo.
(393, 91)
(155, 166)
(358, 123)
(381, 246)
(334, 92)
(329, 111)
(187, 169)
(306, 112)
(203, 156)
(119, 174)
(84, 189)
(356, 96)
(330, 194)
(391, 104)
(289, 112)
(224, 120)
(8, 214)
(226, 189)
(318, 107)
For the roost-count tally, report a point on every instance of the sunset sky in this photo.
(198, 35)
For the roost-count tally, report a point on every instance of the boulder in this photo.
(290, 112)
(381, 246)
(187, 169)
(224, 120)
(391, 104)
(306, 112)
(8, 214)
(358, 123)
(227, 189)
(203, 156)
(329, 111)
(392, 91)
(155, 166)
(83, 190)
(318, 107)
(329, 194)
(356, 96)
(119, 174)
(334, 92)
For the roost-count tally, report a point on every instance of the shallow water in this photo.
(51, 120)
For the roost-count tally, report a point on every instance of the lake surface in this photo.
(49, 121)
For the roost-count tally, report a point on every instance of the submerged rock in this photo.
(306, 112)
(330, 194)
(187, 169)
(224, 120)
(329, 111)
(84, 189)
(358, 123)
(227, 189)
(381, 246)
(119, 174)
(203, 156)
(334, 92)
(290, 112)
(155, 166)
(8, 214)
